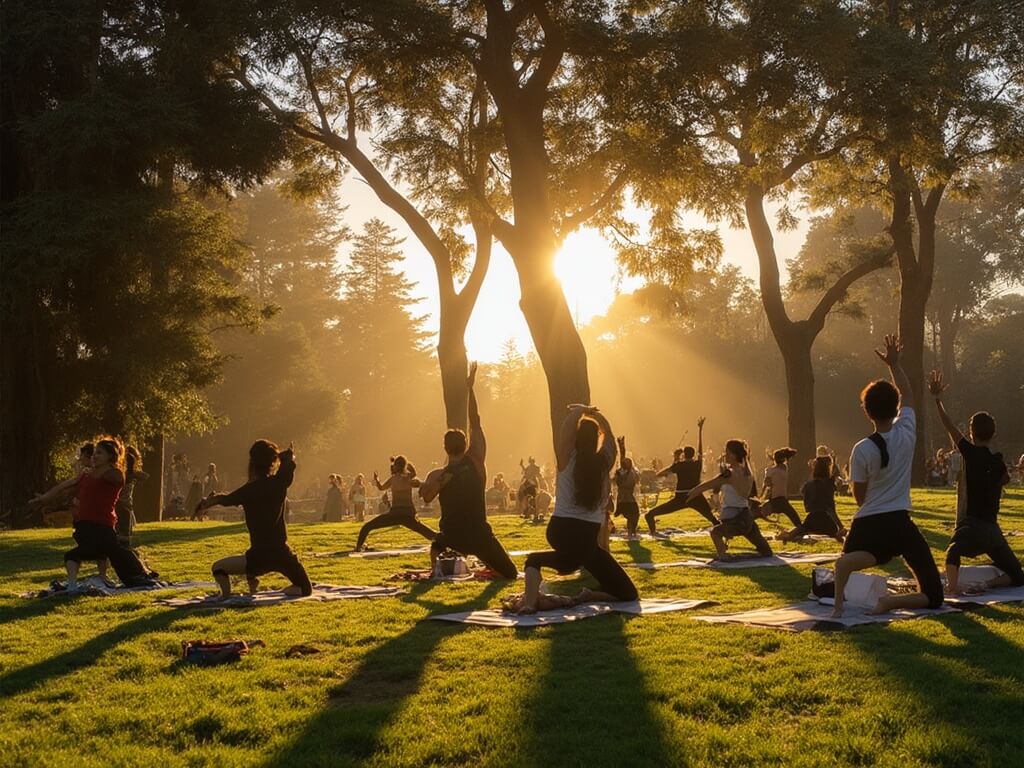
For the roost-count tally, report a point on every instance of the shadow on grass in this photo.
(592, 707)
(84, 655)
(151, 537)
(348, 730)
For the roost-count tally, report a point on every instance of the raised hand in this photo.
(700, 422)
(936, 385)
(890, 355)
(471, 378)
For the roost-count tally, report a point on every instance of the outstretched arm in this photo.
(936, 386)
(700, 441)
(431, 485)
(890, 355)
(477, 449)
(54, 493)
(708, 485)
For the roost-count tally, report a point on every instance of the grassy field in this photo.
(94, 681)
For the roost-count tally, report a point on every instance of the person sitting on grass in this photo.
(399, 510)
(585, 453)
(977, 527)
(626, 477)
(263, 500)
(461, 485)
(736, 484)
(820, 505)
(880, 469)
(687, 465)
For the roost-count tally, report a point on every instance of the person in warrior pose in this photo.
(401, 511)
(461, 485)
(687, 468)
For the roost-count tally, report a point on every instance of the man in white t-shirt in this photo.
(880, 472)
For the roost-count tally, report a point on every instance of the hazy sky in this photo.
(586, 267)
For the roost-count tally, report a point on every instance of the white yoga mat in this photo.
(782, 558)
(321, 593)
(990, 597)
(94, 586)
(497, 618)
(374, 554)
(663, 534)
(810, 614)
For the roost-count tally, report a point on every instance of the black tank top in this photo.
(462, 497)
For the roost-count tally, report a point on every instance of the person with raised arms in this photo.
(461, 486)
(271, 473)
(401, 510)
(984, 473)
(880, 469)
(626, 478)
(688, 468)
(585, 452)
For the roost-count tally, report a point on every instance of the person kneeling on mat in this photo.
(586, 452)
(977, 528)
(880, 469)
(736, 484)
(263, 499)
(461, 485)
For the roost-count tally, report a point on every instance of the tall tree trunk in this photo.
(796, 356)
(913, 303)
(453, 362)
(149, 493)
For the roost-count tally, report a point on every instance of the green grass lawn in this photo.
(94, 681)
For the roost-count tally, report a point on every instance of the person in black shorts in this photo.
(880, 468)
(263, 499)
(977, 527)
(626, 478)
(819, 503)
(461, 485)
(687, 470)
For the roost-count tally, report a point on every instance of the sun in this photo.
(587, 268)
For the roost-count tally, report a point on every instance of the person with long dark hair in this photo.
(97, 490)
(820, 505)
(585, 453)
(776, 486)
(736, 484)
(880, 469)
(688, 466)
(401, 512)
(271, 472)
(460, 484)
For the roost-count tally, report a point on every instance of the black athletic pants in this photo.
(575, 546)
(679, 502)
(481, 544)
(403, 516)
(777, 505)
(631, 511)
(278, 560)
(743, 524)
(979, 537)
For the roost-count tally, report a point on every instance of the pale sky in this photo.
(586, 267)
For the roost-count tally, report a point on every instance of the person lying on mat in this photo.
(880, 471)
(461, 485)
(263, 499)
(977, 529)
(736, 484)
(585, 452)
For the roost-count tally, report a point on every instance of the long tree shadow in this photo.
(972, 686)
(84, 655)
(156, 536)
(348, 730)
(592, 707)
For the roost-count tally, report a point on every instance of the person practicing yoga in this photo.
(271, 472)
(97, 490)
(984, 473)
(585, 452)
(401, 512)
(776, 485)
(687, 470)
(819, 504)
(626, 478)
(735, 484)
(461, 485)
(880, 468)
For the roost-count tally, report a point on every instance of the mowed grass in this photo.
(95, 681)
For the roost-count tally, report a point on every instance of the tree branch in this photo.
(554, 48)
(838, 290)
(580, 217)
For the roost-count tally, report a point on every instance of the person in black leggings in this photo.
(402, 512)
(263, 499)
(586, 452)
(687, 470)
(626, 478)
(461, 486)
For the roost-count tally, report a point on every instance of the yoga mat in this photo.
(990, 597)
(321, 593)
(782, 558)
(493, 617)
(374, 554)
(663, 534)
(810, 538)
(482, 574)
(94, 586)
(814, 615)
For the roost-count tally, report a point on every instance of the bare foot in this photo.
(837, 613)
(882, 606)
(254, 585)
